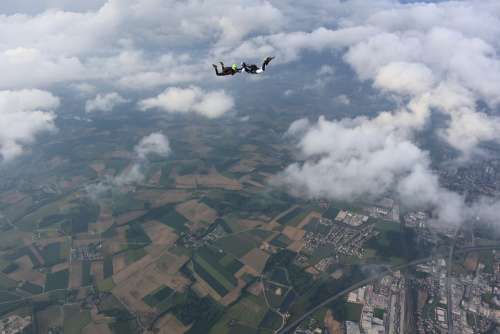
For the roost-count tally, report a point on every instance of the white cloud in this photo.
(73, 41)
(105, 102)
(29, 68)
(132, 174)
(364, 158)
(404, 78)
(24, 115)
(156, 143)
(413, 51)
(190, 100)
(342, 99)
(324, 76)
(84, 88)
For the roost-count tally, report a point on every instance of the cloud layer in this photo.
(366, 159)
(24, 115)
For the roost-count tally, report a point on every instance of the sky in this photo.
(428, 58)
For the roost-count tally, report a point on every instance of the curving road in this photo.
(371, 279)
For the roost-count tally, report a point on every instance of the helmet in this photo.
(234, 67)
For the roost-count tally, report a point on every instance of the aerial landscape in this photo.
(347, 183)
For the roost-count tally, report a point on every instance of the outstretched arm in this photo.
(266, 62)
(216, 70)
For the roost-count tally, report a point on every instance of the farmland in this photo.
(57, 280)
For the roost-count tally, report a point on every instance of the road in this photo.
(371, 279)
(449, 301)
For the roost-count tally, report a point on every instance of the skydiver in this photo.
(226, 70)
(254, 69)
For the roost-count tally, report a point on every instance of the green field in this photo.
(31, 288)
(384, 226)
(86, 276)
(230, 264)
(6, 282)
(379, 313)
(175, 220)
(8, 301)
(75, 320)
(30, 221)
(134, 255)
(123, 203)
(353, 311)
(106, 285)
(167, 215)
(10, 239)
(314, 226)
(259, 235)
(249, 310)
(108, 266)
(292, 216)
(52, 254)
(79, 219)
(58, 280)
(331, 213)
(236, 245)
(158, 296)
(211, 276)
(22, 251)
(136, 235)
(281, 241)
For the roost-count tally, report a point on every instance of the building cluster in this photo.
(473, 298)
(350, 218)
(476, 179)
(383, 307)
(344, 239)
(195, 240)
(91, 252)
(14, 324)
(324, 264)
(386, 209)
(417, 219)
(312, 326)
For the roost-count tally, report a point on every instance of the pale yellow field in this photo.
(25, 272)
(75, 275)
(94, 328)
(296, 245)
(308, 218)
(97, 269)
(294, 233)
(119, 263)
(49, 317)
(129, 216)
(161, 197)
(244, 166)
(60, 266)
(256, 259)
(197, 212)
(212, 180)
(159, 233)
(142, 278)
(169, 324)
(105, 219)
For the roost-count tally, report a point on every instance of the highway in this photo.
(371, 279)
(449, 300)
